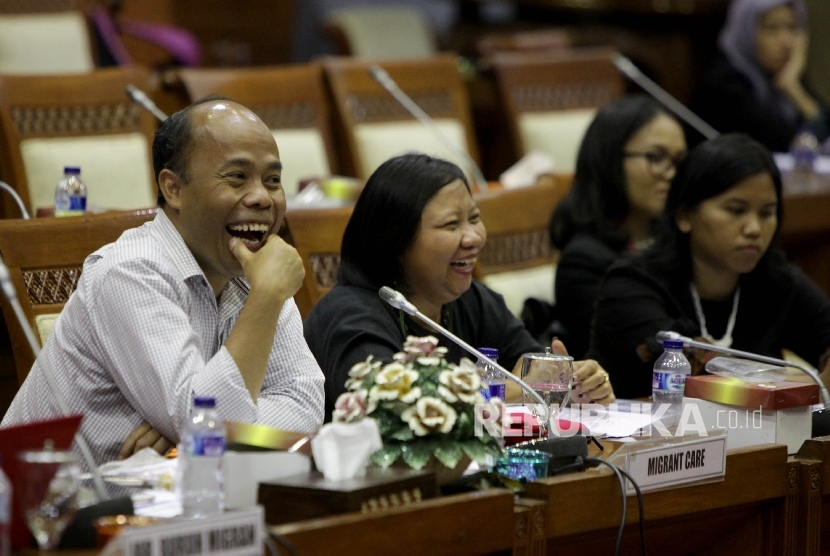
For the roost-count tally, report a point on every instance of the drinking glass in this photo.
(48, 495)
(551, 376)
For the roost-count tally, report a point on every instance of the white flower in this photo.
(395, 381)
(461, 382)
(351, 407)
(414, 348)
(430, 415)
(359, 370)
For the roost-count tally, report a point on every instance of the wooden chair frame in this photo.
(435, 84)
(45, 257)
(78, 105)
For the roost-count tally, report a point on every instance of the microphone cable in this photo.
(620, 473)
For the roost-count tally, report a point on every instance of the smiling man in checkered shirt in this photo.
(196, 302)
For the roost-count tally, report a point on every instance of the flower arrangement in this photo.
(423, 405)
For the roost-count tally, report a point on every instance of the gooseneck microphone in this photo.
(142, 99)
(382, 77)
(631, 71)
(10, 190)
(11, 295)
(397, 300)
(688, 342)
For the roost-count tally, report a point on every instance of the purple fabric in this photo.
(738, 41)
(103, 21)
(180, 43)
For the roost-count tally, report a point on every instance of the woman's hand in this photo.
(788, 80)
(142, 437)
(590, 383)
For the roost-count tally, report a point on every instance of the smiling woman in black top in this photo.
(713, 272)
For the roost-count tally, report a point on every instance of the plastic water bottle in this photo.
(492, 381)
(670, 372)
(5, 513)
(200, 461)
(70, 193)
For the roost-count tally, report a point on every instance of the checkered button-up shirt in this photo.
(143, 333)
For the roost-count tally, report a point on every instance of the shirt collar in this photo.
(173, 243)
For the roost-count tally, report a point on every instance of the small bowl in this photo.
(110, 526)
(523, 464)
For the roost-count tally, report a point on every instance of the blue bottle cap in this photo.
(204, 401)
(72, 170)
(672, 344)
(492, 353)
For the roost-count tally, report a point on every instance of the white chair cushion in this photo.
(303, 155)
(45, 43)
(377, 143)
(517, 285)
(556, 133)
(115, 169)
(44, 325)
(385, 32)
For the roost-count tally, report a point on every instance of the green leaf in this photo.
(429, 389)
(476, 450)
(387, 455)
(463, 429)
(404, 434)
(417, 454)
(448, 453)
(387, 421)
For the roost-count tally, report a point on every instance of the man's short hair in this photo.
(172, 141)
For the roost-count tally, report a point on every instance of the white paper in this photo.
(342, 450)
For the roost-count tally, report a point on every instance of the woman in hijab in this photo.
(757, 87)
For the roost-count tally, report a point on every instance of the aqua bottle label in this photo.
(672, 382)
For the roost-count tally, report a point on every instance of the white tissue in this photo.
(342, 450)
(527, 170)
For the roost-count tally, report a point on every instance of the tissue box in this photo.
(310, 496)
(245, 470)
(776, 412)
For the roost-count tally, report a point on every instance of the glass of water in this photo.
(49, 492)
(551, 376)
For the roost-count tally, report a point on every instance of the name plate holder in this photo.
(664, 463)
(232, 533)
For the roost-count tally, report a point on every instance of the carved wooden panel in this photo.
(46, 287)
(297, 115)
(547, 97)
(39, 121)
(36, 6)
(382, 107)
(509, 249)
(325, 267)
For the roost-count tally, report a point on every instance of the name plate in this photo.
(235, 533)
(681, 463)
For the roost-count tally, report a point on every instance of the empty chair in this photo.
(377, 127)
(518, 260)
(45, 257)
(291, 100)
(44, 37)
(86, 120)
(381, 32)
(551, 97)
(317, 235)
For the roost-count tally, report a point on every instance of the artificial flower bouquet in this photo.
(424, 407)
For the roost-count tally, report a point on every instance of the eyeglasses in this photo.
(659, 162)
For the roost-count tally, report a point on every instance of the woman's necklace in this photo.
(726, 341)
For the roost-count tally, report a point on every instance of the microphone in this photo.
(140, 97)
(10, 190)
(631, 71)
(383, 79)
(11, 294)
(397, 300)
(688, 342)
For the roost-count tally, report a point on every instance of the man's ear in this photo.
(683, 221)
(170, 184)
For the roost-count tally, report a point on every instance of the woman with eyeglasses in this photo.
(623, 170)
(757, 86)
(713, 273)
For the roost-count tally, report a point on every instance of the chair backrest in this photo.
(45, 257)
(381, 32)
(518, 260)
(86, 120)
(317, 234)
(44, 37)
(292, 102)
(377, 127)
(551, 97)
